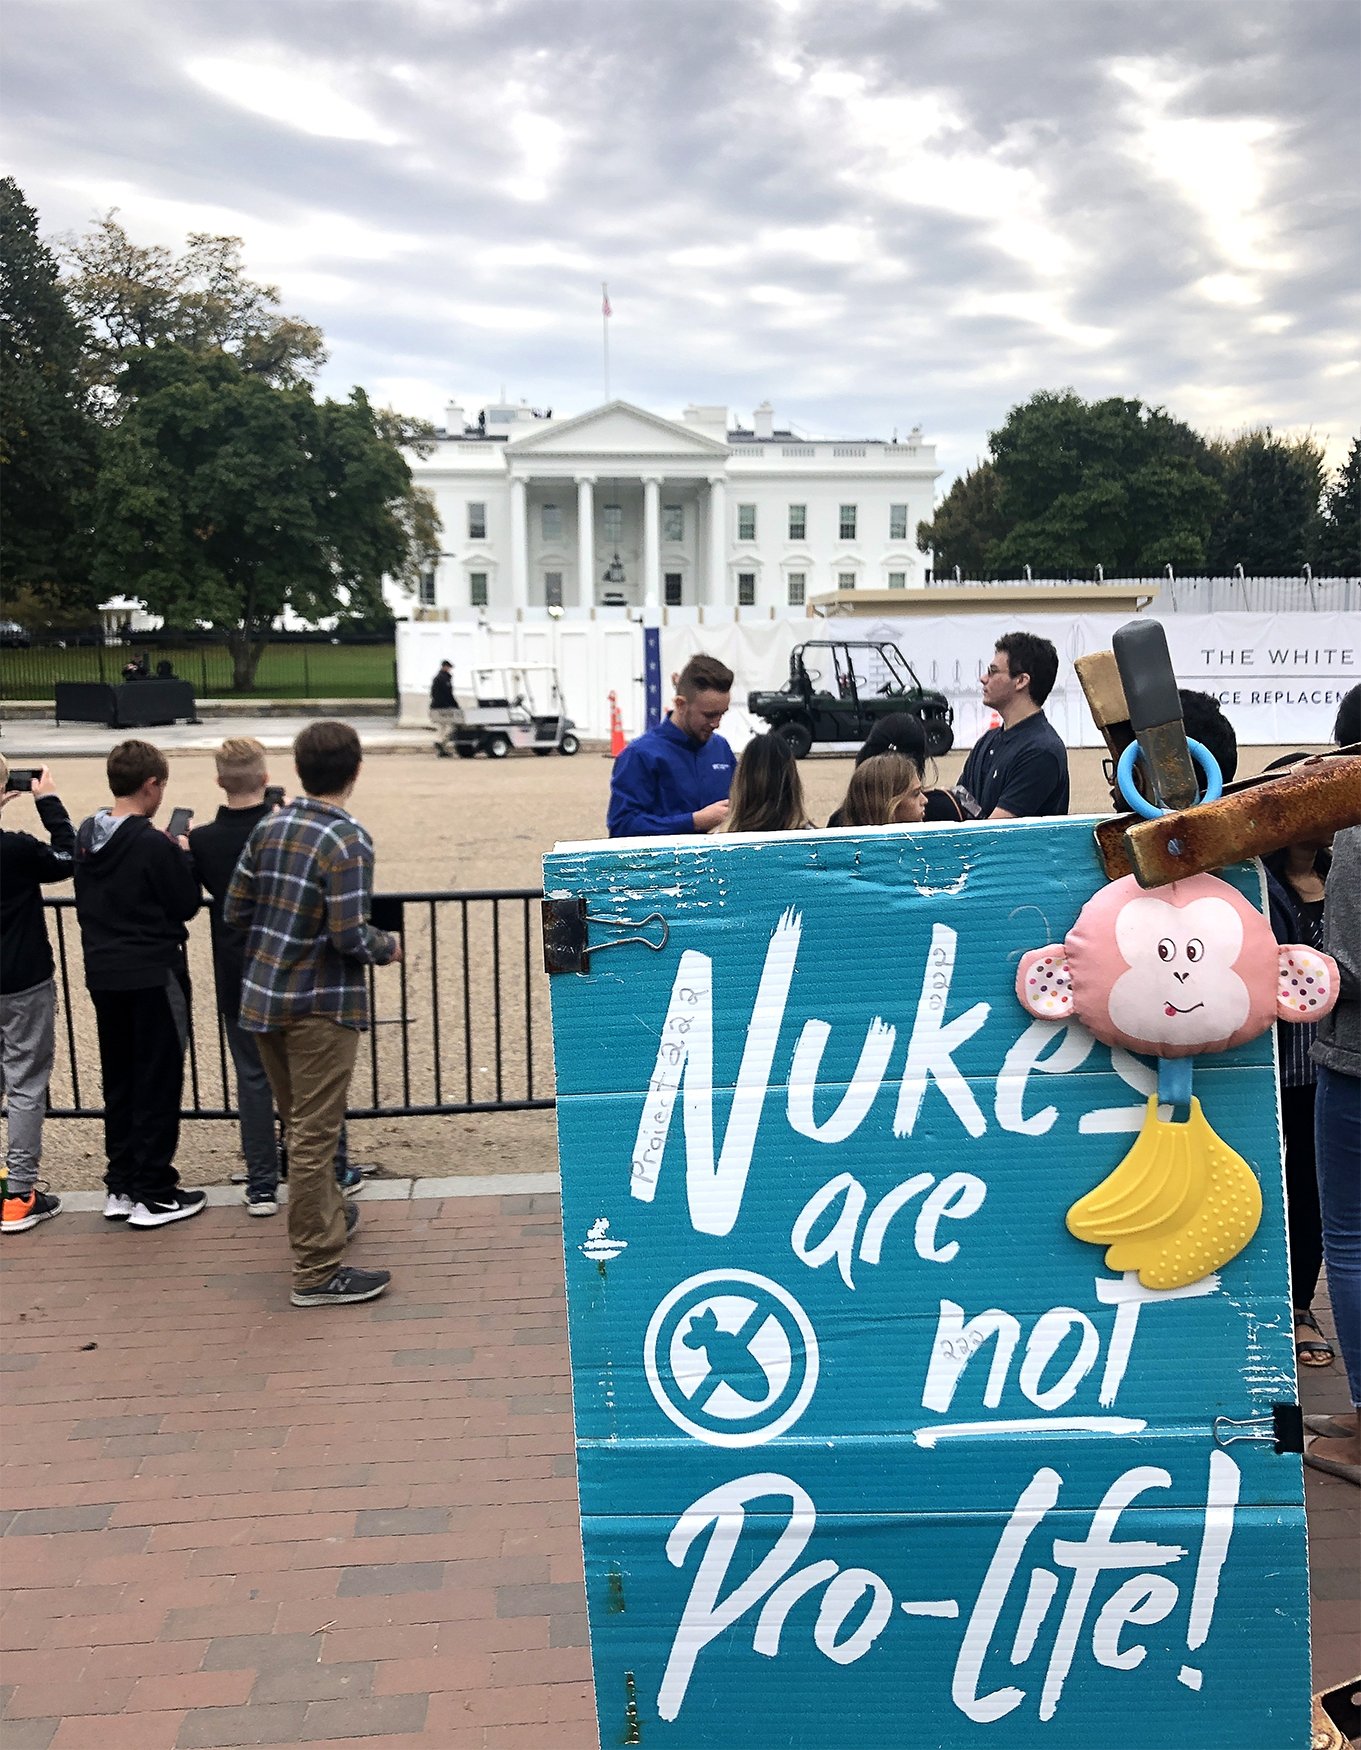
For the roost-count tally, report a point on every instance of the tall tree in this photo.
(1337, 546)
(1111, 483)
(224, 499)
(1269, 522)
(130, 296)
(47, 438)
(967, 525)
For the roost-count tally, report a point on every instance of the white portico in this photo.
(622, 508)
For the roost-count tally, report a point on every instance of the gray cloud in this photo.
(874, 214)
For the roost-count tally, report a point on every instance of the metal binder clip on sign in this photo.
(1150, 685)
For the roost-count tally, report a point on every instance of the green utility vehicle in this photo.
(837, 691)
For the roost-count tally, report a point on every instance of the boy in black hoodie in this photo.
(135, 891)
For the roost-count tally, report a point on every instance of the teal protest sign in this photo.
(871, 1448)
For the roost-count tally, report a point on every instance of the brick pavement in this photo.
(228, 1522)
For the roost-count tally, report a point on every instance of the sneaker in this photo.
(345, 1287)
(179, 1206)
(260, 1202)
(25, 1212)
(351, 1219)
(117, 1207)
(350, 1179)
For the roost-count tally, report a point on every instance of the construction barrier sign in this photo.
(872, 1449)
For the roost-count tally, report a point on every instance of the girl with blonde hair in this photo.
(885, 790)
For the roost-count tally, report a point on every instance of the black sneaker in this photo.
(346, 1286)
(161, 1212)
(261, 1202)
(351, 1218)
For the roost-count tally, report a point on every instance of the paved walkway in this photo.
(46, 740)
(229, 1523)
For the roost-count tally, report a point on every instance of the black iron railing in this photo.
(460, 1024)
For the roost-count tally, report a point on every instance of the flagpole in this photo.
(605, 332)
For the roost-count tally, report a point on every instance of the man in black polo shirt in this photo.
(1020, 770)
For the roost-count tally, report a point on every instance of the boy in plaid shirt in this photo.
(303, 889)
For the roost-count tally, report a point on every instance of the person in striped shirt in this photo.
(302, 890)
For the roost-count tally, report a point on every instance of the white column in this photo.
(519, 542)
(585, 540)
(716, 586)
(652, 540)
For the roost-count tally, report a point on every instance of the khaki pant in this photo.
(309, 1065)
(445, 722)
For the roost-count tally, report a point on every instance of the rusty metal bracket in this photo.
(1249, 820)
(565, 944)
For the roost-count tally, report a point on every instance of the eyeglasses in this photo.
(994, 670)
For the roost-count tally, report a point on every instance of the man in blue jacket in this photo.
(675, 778)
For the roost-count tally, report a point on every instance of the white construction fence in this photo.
(1279, 676)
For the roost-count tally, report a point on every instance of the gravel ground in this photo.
(437, 824)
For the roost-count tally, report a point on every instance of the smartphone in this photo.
(274, 795)
(23, 777)
(179, 822)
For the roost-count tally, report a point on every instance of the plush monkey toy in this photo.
(1178, 972)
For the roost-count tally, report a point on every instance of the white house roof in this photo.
(617, 428)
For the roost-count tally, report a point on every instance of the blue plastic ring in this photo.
(1209, 765)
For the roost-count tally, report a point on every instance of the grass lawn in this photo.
(286, 671)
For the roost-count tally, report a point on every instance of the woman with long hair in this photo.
(767, 793)
(885, 790)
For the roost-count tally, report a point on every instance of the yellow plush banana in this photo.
(1179, 1205)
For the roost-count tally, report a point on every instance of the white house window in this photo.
(746, 589)
(798, 522)
(477, 522)
(897, 580)
(746, 522)
(845, 580)
(897, 522)
(552, 589)
(427, 596)
(672, 585)
(477, 588)
(552, 522)
(798, 589)
(673, 522)
(847, 522)
(612, 521)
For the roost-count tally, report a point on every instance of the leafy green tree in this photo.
(130, 296)
(1337, 546)
(1269, 523)
(225, 498)
(47, 437)
(967, 524)
(1111, 483)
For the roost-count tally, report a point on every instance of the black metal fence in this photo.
(290, 668)
(460, 1024)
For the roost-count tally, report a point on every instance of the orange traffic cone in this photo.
(617, 742)
(994, 720)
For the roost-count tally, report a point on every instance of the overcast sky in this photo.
(875, 214)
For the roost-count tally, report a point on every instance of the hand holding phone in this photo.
(274, 795)
(21, 779)
(179, 822)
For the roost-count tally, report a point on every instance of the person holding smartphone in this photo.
(28, 992)
(135, 892)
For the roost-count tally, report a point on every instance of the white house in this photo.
(622, 508)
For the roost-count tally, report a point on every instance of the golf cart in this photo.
(518, 705)
(837, 691)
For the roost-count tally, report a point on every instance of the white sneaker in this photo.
(117, 1208)
(179, 1206)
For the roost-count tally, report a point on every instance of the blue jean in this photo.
(1337, 1136)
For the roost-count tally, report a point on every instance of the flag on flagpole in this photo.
(605, 300)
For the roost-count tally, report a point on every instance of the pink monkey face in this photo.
(1187, 969)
